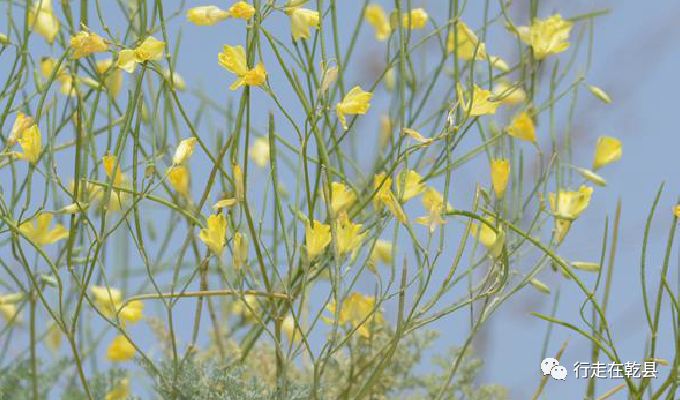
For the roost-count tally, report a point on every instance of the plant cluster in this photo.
(300, 238)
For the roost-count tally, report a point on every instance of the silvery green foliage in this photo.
(406, 379)
(99, 384)
(15, 381)
(413, 373)
(465, 384)
(209, 381)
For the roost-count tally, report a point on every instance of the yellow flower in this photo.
(117, 201)
(31, 144)
(466, 42)
(242, 10)
(330, 75)
(410, 184)
(214, 235)
(416, 19)
(184, 151)
(37, 230)
(492, 240)
(246, 307)
(109, 301)
(109, 162)
(206, 15)
(47, 66)
(433, 202)
(10, 313)
(113, 78)
(120, 349)
(567, 206)
(348, 235)
(178, 176)
(8, 308)
(150, 49)
(119, 392)
(359, 311)
(11, 298)
(676, 210)
(85, 43)
(522, 127)
(126, 61)
(546, 37)
(132, 312)
(66, 80)
(607, 151)
(509, 94)
(500, 172)
(384, 197)
(301, 19)
(240, 252)
(481, 102)
(342, 197)
(42, 19)
(318, 237)
(233, 59)
(382, 252)
(356, 101)
(254, 77)
(259, 152)
(570, 205)
(90, 192)
(289, 329)
(376, 17)
(95, 194)
(21, 123)
(118, 198)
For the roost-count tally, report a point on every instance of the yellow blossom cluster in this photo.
(345, 219)
(383, 25)
(151, 49)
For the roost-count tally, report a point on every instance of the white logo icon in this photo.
(552, 367)
(559, 372)
(548, 364)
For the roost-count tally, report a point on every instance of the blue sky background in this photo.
(635, 59)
